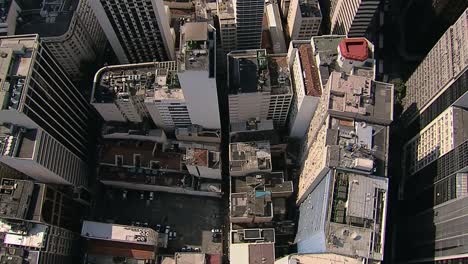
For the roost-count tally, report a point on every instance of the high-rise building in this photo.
(259, 86)
(242, 21)
(69, 29)
(352, 17)
(441, 78)
(304, 18)
(39, 224)
(306, 85)
(172, 94)
(44, 116)
(138, 31)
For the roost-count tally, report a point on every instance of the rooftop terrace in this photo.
(254, 71)
(15, 198)
(17, 142)
(24, 234)
(253, 235)
(361, 96)
(202, 157)
(197, 49)
(271, 182)
(248, 157)
(48, 18)
(153, 80)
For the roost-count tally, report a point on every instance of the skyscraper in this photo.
(45, 119)
(352, 17)
(69, 29)
(138, 31)
(241, 20)
(434, 183)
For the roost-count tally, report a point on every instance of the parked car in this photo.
(142, 195)
(124, 194)
(151, 196)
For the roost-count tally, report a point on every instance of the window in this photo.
(136, 160)
(119, 160)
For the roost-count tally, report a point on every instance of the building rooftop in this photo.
(251, 125)
(15, 198)
(48, 18)
(358, 53)
(271, 182)
(325, 258)
(198, 133)
(310, 8)
(24, 234)
(354, 49)
(352, 215)
(119, 233)
(258, 253)
(104, 251)
(18, 141)
(361, 96)
(310, 71)
(253, 71)
(197, 50)
(190, 258)
(253, 235)
(16, 55)
(139, 153)
(250, 157)
(225, 9)
(252, 206)
(202, 157)
(152, 80)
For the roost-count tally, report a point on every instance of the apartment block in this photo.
(352, 17)
(306, 85)
(265, 91)
(9, 14)
(303, 20)
(41, 98)
(69, 29)
(138, 31)
(439, 73)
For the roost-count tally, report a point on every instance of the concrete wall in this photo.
(201, 96)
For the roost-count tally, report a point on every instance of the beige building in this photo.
(443, 65)
(352, 17)
(303, 20)
(439, 137)
(325, 258)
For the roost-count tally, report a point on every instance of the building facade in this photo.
(352, 17)
(41, 98)
(134, 38)
(443, 69)
(303, 20)
(259, 87)
(71, 32)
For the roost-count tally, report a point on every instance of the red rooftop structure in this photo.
(354, 49)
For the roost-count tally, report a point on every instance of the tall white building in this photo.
(172, 94)
(41, 97)
(69, 29)
(138, 31)
(352, 17)
(303, 20)
(306, 85)
(259, 86)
